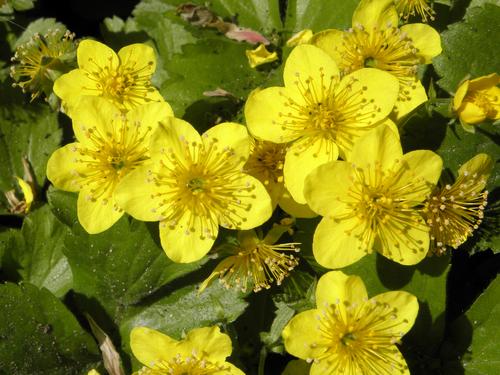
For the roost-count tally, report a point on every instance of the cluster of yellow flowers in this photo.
(326, 143)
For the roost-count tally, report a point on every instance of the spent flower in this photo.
(454, 212)
(42, 59)
(194, 184)
(256, 262)
(124, 78)
(376, 41)
(109, 145)
(371, 202)
(350, 334)
(318, 113)
(202, 352)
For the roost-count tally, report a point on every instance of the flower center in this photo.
(483, 101)
(127, 85)
(191, 365)
(361, 338)
(109, 156)
(387, 49)
(204, 185)
(266, 161)
(328, 111)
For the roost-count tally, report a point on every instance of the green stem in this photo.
(262, 360)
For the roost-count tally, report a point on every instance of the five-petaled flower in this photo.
(370, 202)
(109, 145)
(350, 334)
(477, 100)
(376, 41)
(320, 114)
(123, 78)
(194, 184)
(453, 212)
(202, 351)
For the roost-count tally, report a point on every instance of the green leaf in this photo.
(121, 266)
(22, 4)
(40, 26)
(31, 131)
(468, 47)
(460, 146)
(37, 248)
(474, 332)
(38, 335)
(259, 15)
(185, 309)
(318, 15)
(272, 338)
(63, 205)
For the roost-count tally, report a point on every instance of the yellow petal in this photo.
(470, 113)
(64, 169)
(375, 13)
(147, 117)
(484, 82)
(97, 215)
(460, 95)
(293, 208)
(260, 56)
(93, 56)
(229, 135)
(307, 63)
(481, 166)
(93, 372)
(408, 246)
(27, 193)
(210, 341)
(136, 195)
(254, 208)
(301, 158)
(97, 114)
(379, 146)
(172, 136)
(138, 57)
(297, 367)
(299, 334)
(302, 37)
(406, 310)
(188, 241)
(263, 111)
(70, 88)
(326, 188)
(331, 41)
(150, 346)
(419, 165)
(233, 370)
(337, 287)
(410, 97)
(337, 244)
(425, 39)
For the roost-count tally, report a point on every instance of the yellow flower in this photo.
(260, 56)
(256, 262)
(477, 100)
(317, 112)
(407, 8)
(453, 212)
(109, 145)
(369, 202)
(93, 372)
(203, 351)
(123, 79)
(375, 41)
(350, 334)
(194, 184)
(40, 60)
(302, 37)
